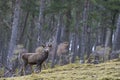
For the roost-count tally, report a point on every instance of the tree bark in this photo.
(57, 38)
(83, 30)
(116, 44)
(108, 41)
(66, 33)
(40, 22)
(89, 42)
(75, 37)
(23, 28)
(13, 40)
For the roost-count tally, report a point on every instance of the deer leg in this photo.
(60, 60)
(31, 68)
(21, 71)
(96, 59)
(44, 65)
(40, 68)
(24, 68)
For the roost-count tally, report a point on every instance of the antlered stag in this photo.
(37, 58)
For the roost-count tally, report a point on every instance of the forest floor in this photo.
(104, 71)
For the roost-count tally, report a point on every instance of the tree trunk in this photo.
(23, 28)
(75, 36)
(40, 22)
(116, 44)
(108, 41)
(89, 42)
(13, 39)
(67, 26)
(57, 38)
(74, 48)
(31, 37)
(109, 33)
(83, 30)
(66, 32)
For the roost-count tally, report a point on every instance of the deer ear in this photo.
(43, 45)
(50, 45)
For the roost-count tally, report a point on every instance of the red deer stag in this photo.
(36, 58)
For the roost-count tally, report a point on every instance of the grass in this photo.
(104, 71)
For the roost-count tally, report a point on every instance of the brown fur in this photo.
(33, 55)
(37, 58)
(39, 49)
(62, 52)
(62, 48)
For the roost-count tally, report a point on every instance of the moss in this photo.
(104, 71)
(109, 78)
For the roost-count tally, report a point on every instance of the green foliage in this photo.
(4, 7)
(57, 6)
(113, 5)
(5, 15)
(102, 12)
(31, 6)
(94, 18)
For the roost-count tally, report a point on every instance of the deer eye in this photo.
(43, 46)
(50, 45)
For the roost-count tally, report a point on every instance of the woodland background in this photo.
(85, 24)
